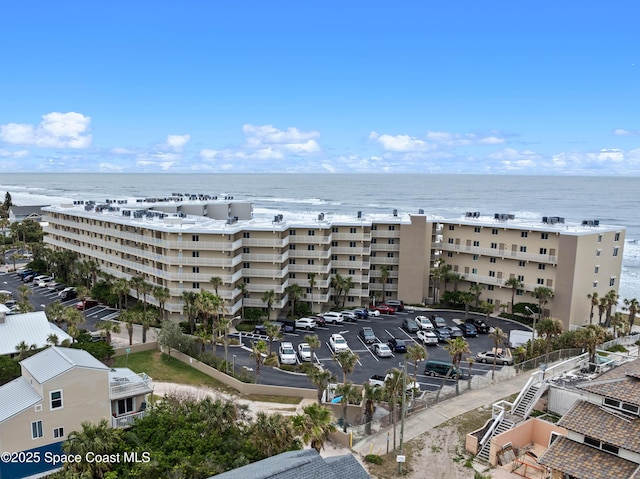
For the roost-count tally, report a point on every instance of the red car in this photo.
(88, 303)
(384, 309)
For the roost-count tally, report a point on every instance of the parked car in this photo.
(286, 353)
(305, 323)
(11, 303)
(86, 304)
(320, 320)
(397, 345)
(361, 313)
(56, 287)
(288, 326)
(381, 350)
(469, 330)
(480, 325)
(427, 337)
(395, 304)
(337, 343)
(67, 295)
(373, 313)
(438, 322)
(501, 358)
(442, 334)
(43, 283)
(384, 309)
(66, 290)
(29, 277)
(333, 317)
(424, 323)
(304, 352)
(455, 332)
(367, 335)
(6, 292)
(440, 368)
(410, 326)
(349, 316)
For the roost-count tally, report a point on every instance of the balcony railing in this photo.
(127, 419)
(128, 386)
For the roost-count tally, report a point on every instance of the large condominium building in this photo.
(181, 242)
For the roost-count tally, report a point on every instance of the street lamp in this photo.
(533, 334)
(234, 365)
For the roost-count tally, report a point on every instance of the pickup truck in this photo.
(378, 380)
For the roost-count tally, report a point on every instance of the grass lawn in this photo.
(156, 365)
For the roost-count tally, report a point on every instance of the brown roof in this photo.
(632, 368)
(621, 383)
(591, 420)
(584, 462)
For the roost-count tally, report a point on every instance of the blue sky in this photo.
(507, 87)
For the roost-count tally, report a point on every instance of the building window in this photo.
(490, 287)
(522, 264)
(334, 257)
(292, 276)
(450, 240)
(195, 238)
(492, 274)
(519, 292)
(598, 252)
(596, 270)
(311, 261)
(521, 278)
(352, 257)
(474, 270)
(291, 246)
(334, 229)
(391, 241)
(389, 255)
(312, 232)
(374, 240)
(392, 227)
(309, 291)
(195, 254)
(374, 227)
(246, 280)
(451, 228)
(352, 230)
(195, 285)
(292, 261)
(246, 265)
(195, 269)
(494, 231)
(311, 247)
(333, 271)
(524, 234)
(475, 257)
(36, 429)
(544, 235)
(246, 234)
(55, 399)
(476, 229)
(615, 251)
(599, 238)
(352, 244)
(595, 284)
(612, 281)
(334, 243)
(541, 281)
(494, 245)
(617, 237)
(352, 271)
(125, 406)
(292, 232)
(351, 299)
(543, 250)
(58, 432)
(247, 250)
(449, 254)
(492, 260)
(523, 249)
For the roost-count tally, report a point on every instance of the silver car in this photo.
(381, 350)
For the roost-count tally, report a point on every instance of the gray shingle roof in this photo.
(32, 328)
(16, 396)
(53, 361)
(305, 463)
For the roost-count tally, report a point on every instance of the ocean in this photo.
(612, 200)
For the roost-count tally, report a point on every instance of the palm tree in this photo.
(83, 295)
(349, 393)
(320, 379)
(273, 332)
(203, 336)
(314, 425)
(371, 395)
(515, 284)
(543, 295)
(216, 282)
(498, 336)
(602, 308)
(393, 387)
(384, 277)
(347, 361)
(337, 283)
(470, 361)
(108, 327)
(272, 434)
(416, 353)
(346, 285)
(476, 289)
(244, 290)
(22, 347)
(161, 295)
(631, 305)
(190, 308)
(589, 338)
(269, 298)
(53, 339)
(222, 327)
(314, 343)
(100, 439)
(258, 350)
(612, 299)
(73, 318)
(128, 318)
(467, 298)
(593, 298)
(146, 319)
(549, 328)
(135, 282)
(54, 312)
(295, 292)
(312, 284)
(457, 347)
(145, 289)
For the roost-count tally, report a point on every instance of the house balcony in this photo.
(126, 420)
(127, 386)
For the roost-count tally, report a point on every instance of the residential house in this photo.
(59, 388)
(17, 214)
(32, 328)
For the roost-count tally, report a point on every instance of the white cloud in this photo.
(56, 130)
(177, 142)
(109, 168)
(612, 155)
(460, 139)
(400, 142)
(328, 167)
(122, 151)
(623, 132)
(13, 154)
(513, 155)
(268, 142)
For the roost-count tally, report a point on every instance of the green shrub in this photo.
(245, 327)
(374, 459)
(618, 348)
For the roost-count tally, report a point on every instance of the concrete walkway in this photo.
(425, 420)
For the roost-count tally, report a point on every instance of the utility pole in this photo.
(400, 457)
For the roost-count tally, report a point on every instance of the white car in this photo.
(4, 292)
(349, 315)
(424, 323)
(287, 354)
(427, 337)
(43, 282)
(306, 323)
(374, 312)
(304, 352)
(337, 343)
(333, 317)
(381, 350)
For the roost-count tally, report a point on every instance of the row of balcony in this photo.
(500, 253)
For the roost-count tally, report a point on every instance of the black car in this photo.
(469, 330)
(67, 295)
(397, 345)
(480, 325)
(367, 335)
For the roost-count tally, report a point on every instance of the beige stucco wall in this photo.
(532, 431)
(415, 253)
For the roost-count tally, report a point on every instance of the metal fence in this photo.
(541, 362)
